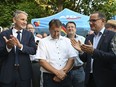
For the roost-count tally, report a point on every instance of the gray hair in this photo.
(17, 12)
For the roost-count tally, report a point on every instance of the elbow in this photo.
(41, 62)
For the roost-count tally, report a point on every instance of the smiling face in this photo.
(70, 29)
(30, 28)
(20, 21)
(96, 23)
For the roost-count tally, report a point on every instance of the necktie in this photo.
(17, 50)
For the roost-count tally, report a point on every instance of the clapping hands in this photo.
(88, 48)
(13, 41)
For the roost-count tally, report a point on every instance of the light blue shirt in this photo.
(96, 40)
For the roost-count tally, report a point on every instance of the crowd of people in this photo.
(41, 60)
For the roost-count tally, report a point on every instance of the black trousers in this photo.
(36, 76)
(91, 82)
(16, 80)
(49, 82)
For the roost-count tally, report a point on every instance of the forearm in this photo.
(68, 65)
(47, 66)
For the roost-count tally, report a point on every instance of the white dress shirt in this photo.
(78, 61)
(34, 57)
(56, 51)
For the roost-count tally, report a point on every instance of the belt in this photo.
(76, 67)
(34, 61)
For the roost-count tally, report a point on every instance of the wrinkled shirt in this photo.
(56, 51)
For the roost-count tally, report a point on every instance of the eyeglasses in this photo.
(94, 20)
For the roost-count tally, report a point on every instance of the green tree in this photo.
(7, 8)
(82, 6)
(43, 8)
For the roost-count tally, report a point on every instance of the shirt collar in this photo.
(101, 31)
(15, 30)
(60, 38)
(75, 35)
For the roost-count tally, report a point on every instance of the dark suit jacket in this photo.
(25, 69)
(104, 65)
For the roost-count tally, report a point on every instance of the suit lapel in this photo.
(102, 39)
(24, 36)
(9, 33)
(91, 38)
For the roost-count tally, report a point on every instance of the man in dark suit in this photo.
(16, 67)
(98, 54)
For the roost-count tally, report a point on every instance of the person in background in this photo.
(1, 29)
(89, 33)
(16, 45)
(44, 34)
(98, 54)
(35, 64)
(56, 56)
(39, 35)
(77, 72)
(111, 25)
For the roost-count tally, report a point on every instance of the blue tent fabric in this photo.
(64, 16)
(82, 24)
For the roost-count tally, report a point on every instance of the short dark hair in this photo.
(55, 22)
(100, 14)
(71, 22)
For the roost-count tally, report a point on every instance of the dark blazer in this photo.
(104, 65)
(25, 69)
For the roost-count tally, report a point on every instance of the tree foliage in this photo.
(43, 8)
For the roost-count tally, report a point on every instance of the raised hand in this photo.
(76, 44)
(13, 41)
(9, 42)
(87, 48)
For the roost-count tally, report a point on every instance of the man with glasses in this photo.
(98, 54)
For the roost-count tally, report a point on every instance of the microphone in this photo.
(37, 42)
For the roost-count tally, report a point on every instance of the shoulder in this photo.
(79, 36)
(64, 38)
(109, 32)
(27, 33)
(6, 32)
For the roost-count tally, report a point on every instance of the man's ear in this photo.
(14, 20)
(103, 20)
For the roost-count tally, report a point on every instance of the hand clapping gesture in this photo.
(82, 47)
(13, 41)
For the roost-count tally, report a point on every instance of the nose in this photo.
(25, 22)
(90, 22)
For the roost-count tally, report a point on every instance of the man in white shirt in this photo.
(77, 72)
(35, 64)
(56, 57)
